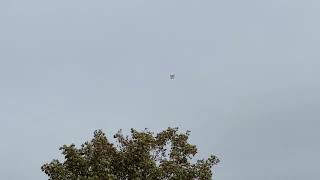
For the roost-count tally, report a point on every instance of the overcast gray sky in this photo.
(247, 80)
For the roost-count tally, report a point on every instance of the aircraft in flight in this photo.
(172, 76)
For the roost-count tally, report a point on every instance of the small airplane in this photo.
(172, 76)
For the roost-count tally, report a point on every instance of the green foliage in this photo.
(142, 156)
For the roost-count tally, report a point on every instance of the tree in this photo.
(141, 156)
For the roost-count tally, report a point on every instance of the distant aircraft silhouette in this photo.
(172, 76)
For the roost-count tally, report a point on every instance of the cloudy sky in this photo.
(247, 80)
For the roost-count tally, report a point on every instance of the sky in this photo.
(247, 80)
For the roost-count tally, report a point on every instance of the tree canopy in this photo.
(143, 155)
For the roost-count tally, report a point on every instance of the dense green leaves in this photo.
(142, 156)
